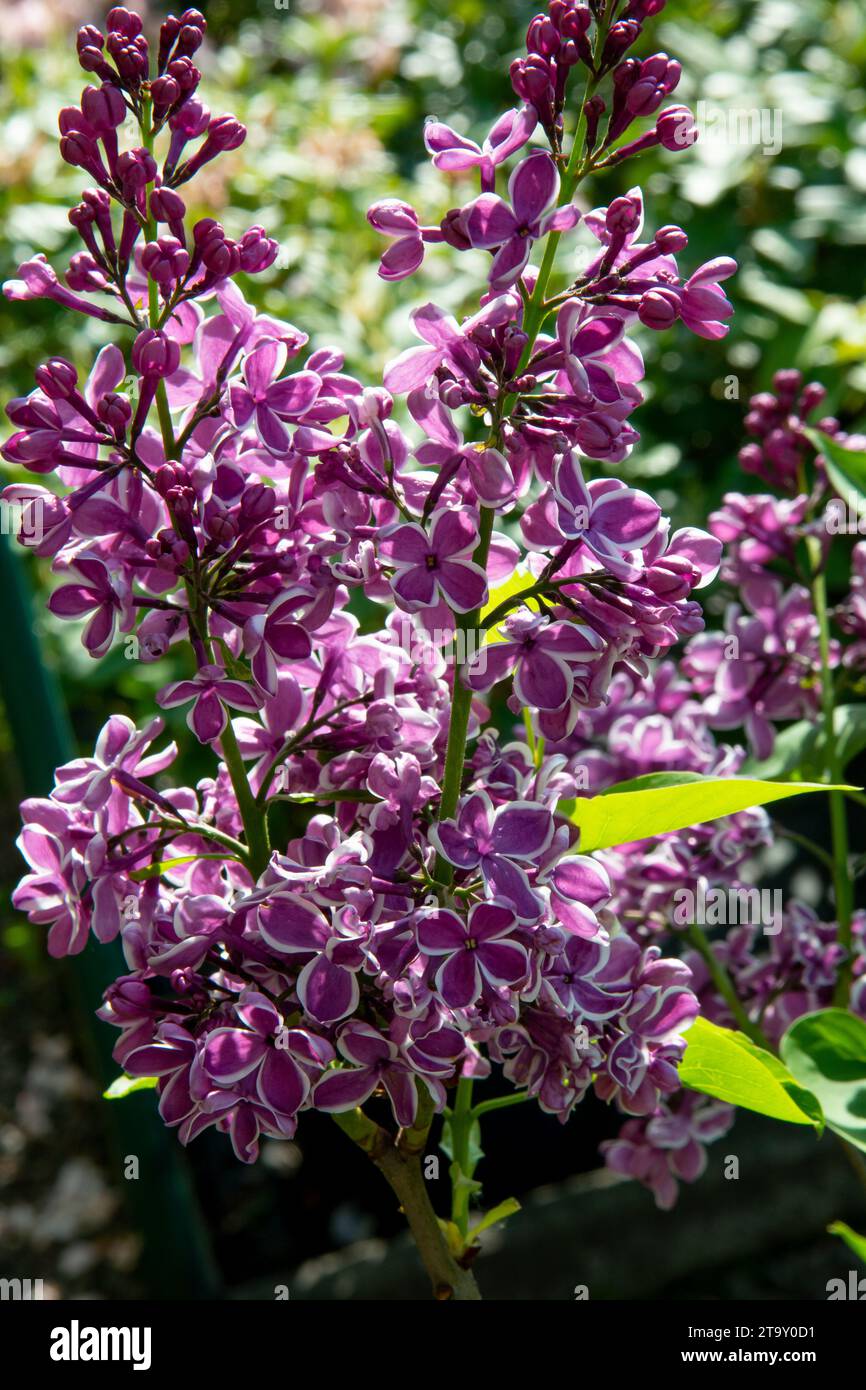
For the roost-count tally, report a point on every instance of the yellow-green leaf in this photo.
(125, 1085)
(665, 801)
(725, 1064)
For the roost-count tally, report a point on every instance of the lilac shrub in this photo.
(216, 488)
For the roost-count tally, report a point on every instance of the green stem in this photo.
(166, 429)
(484, 1107)
(838, 818)
(253, 818)
(816, 850)
(462, 1167)
(724, 984)
(399, 1161)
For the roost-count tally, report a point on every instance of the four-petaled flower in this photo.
(376, 1062)
(211, 690)
(327, 985)
(99, 592)
(476, 951)
(427, 567)
(611, 519)
(452, 153)
(540, 654)
(268, 402)
(481, 838)
(491, 223)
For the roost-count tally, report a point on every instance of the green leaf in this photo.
(826, 1051)
(490, 1218)
(723, 1063)
(155, 870)
(849, 726)
(446, 1142)
(851, 1238)
(664, 801)
(801, 748)
(516, 584)
(791, 749)
(125, 1085)
(846, 469)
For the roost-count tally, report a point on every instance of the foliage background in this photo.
(334, 93)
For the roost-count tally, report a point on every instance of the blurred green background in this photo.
(334, 96)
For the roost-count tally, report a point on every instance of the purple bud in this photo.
(191, 120)
(676, 128)
(256, 250)
(622, 216)
(620, 37)
(115, 412)
(57, 378)
(170, 476)
(165, 92)
(541, 37)
(670, 240)
(225, 133)
(814, 395)
(103, 107)
(154, 354)
(167, 206)
(85, 275)
(123, 21)
(185, 73)
(169, 30)
(135, 169)
(575, 21)
(257, 504)
(453, 227)
(787, 383)
(165, 260)
(658, 309)
(189, 40)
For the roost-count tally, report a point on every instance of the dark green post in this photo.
(177, 1261)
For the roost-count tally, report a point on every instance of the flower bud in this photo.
(670, 240)
(165, 260)
(168, 476)
(135, 169)
(676, 128)
(658, 309)
(57, 378)
(787, 383)
(167, 206)
(103, 107)
(814, 395)
(85, 275)
(256, 250)
(453, 229)
(165, 92)
(225, 133)
(623, 216)
(123, 21)
(154, 354)
(115, 412)
(620, 38)
(541, 37)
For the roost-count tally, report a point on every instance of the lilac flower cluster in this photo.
(765, 668)
(431, 915)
